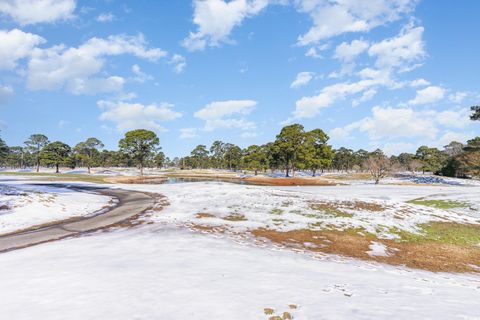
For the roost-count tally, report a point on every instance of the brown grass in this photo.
(202, 215)
(270, 181)
(438, 257)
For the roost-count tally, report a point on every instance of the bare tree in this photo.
(379, 166)
(414, 165)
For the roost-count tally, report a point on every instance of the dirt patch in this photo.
(438, 257)
(202, 215)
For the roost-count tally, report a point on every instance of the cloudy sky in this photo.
(393, 74)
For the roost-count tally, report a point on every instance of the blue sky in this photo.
(391, 74)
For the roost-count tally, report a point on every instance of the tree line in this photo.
(294, 149)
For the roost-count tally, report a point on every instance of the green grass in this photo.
(276, 211)
(439, 204)
(330, 210)
(59, 176)
(235, 217)
(444, 232)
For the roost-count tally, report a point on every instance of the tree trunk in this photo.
(377, 180)
(313, 172)
(141, 170)
(89, 172)
(38, 165)
(57, 171)
(256, 172)
(286, 171)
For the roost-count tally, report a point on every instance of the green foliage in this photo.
(56, 153)
(3, 151)
(139, 145)
(35, 144)
(475, 113)
(432, 159)
(316, 154)
(288, 146)
(87, 152)
(255, 158)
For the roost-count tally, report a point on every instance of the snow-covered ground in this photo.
(160, 271)
(291, 208)
(157, 272)
(23, 205)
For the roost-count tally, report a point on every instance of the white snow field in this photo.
(242, 207)
(163, 270)
(25, 204)
(158, 272)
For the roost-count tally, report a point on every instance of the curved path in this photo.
(130, 204)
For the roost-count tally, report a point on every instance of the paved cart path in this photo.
(130, 203)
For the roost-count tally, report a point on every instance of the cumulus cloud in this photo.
(129, 116)
(140, 76)
(308, 107)
(430, 94)
(215, 20)
(188, 133)
(78, 68)
(332, 18)
(348, 51)
(27, 12)
(5, 93)
(16, 45)
(105, 17)
(458, 97)
(400, 51)
(303, 78)
(179, 63)
(227, 114)
(387, 123)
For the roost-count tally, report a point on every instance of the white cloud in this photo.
(105, 17)
(450, 136)
(395, 148)
(16, 45)
(76, 68)
(428, 95)
(5, 93)
(227, 114)
(38, 11)
(387, 124)
(215, 20)
(366, 96)
(332, 18)
(400, 51)
(302, 79)
(458, 97)
(179, 63)
(188, 133)
(419, 83)
(308, 107)
(91, 86)
(140, 76)
(128, 116)
(348, 51)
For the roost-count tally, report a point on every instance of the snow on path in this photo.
(25, 205)
(163, 273)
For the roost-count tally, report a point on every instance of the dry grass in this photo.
(428, 255)
(270, 181)
(235, 217)
(202, 215)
